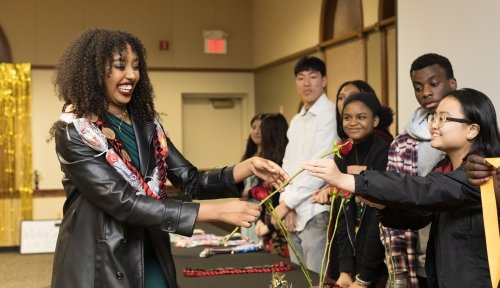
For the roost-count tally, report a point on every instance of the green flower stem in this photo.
(282, 227)
(330, 242)
(290, 242)
(281, 187)
(323, 260)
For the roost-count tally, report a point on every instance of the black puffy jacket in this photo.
(456, 251)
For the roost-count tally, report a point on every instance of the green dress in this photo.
(153, 274)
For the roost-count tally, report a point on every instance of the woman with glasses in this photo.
(464, 124)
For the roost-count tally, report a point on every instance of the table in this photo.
(189, 257)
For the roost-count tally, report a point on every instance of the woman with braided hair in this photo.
(116, 160)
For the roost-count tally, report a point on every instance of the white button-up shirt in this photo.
(310, 135)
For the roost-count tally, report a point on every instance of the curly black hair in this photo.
(82, 70)
(431, 59)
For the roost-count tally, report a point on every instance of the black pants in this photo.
(422, 282)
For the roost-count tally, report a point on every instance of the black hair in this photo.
(251, 147)
(384, 113)
(362, 87)
(273, 129)
(432, 59)
(479, 109)
(83, 69)
(310, 63)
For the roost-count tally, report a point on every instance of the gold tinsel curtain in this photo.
(16, 190)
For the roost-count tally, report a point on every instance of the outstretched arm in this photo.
(235, 212)
(267, 170)
(435, 192)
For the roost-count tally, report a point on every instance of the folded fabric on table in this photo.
(196, 240)
(245, 248)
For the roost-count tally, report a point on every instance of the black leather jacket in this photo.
(100, 242)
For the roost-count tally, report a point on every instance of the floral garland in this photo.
(97, 137)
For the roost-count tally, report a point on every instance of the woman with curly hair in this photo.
(116, 160)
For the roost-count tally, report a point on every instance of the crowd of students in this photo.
(416, 220)
(406, 241)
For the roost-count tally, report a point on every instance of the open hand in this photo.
(325, 169)
(272, 174)
(235, 212)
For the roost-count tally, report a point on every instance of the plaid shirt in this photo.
(400, 244)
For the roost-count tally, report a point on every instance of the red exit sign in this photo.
(215, 46)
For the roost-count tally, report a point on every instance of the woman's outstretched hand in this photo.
(327, 170)
(272, 174)
(235, 212)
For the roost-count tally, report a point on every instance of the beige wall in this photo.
(47, 208)
(39, 31)
(464, 31)
(283, 27)
(275, 87)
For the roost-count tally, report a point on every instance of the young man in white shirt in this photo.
(312, 133)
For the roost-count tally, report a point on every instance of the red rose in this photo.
(334, 191)
(345, 146)
(346, 194)
(258, 192)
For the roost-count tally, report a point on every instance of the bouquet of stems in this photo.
(340, 148)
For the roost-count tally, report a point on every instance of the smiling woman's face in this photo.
(450, 136)
(358, 121)
(122, 79)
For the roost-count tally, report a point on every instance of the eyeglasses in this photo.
(440, 120)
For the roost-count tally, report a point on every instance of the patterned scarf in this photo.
(103, 139)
